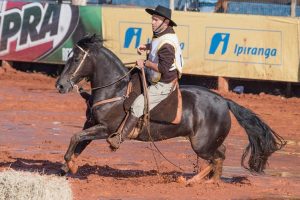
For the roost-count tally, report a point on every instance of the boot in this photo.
(117, 138)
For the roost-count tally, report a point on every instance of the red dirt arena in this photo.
(37, 122)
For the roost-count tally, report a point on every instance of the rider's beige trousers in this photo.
(157, 92)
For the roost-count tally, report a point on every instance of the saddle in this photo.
(167, 111)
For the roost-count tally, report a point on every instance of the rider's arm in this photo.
(143, 48)
(148, 45)
(166, 56)
(151, 65)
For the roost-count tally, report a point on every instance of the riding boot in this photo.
(117, 138)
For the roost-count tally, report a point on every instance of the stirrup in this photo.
(114, 140)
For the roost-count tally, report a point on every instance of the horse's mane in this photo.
(91, 42)
(95, 43)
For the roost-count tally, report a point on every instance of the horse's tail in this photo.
(263, 141)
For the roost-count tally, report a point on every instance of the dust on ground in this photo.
(37, 123)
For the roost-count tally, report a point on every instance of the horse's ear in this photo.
(93, 38)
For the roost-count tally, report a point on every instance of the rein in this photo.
(146, 118)
(119, 79)
(86, 53)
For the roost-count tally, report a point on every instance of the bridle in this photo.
(86, 53)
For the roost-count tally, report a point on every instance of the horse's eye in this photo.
(76, 59)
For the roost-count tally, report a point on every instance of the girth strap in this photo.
(129, 89)
(107, 101)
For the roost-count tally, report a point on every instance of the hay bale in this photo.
(16, 185)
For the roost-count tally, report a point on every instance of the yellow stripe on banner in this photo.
(241, 46)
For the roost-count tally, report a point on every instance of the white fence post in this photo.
(171, 4)
(79, 2)
(293, 14)
(293, 8)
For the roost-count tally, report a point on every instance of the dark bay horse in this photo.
(205, 118)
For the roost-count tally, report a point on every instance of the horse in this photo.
(205, 114)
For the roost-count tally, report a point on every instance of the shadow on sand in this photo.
(54, 168)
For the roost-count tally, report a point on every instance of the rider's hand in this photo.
(142, 48)
(140, 63)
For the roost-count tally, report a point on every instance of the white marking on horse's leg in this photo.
(65, 168)
(200, 176)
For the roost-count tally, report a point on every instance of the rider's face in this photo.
(157, 21)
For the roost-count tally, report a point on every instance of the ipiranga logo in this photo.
(255, 51)
(132, 34)
(219, 39)
(241, 45)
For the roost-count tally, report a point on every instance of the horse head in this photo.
(80, 65)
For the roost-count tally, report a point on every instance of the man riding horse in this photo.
(163, 68)
(205, 115)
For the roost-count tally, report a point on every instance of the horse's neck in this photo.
(108, 70)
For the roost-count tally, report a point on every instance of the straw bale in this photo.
(17, 185)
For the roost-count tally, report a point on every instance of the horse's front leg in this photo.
(82, 145)
(93, 133)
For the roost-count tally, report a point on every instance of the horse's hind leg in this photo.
(87, 135)
(213, 170)
(217, 163)
(207, 144)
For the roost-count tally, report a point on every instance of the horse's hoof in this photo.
(214, 181)
(72, 166)
(114, 142)
(112, 148)
(189, 183)
(211, 181)
(62, 172)
(181, 180)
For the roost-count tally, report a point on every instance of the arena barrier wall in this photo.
(42, 32)
(227, 45)
(240, 46)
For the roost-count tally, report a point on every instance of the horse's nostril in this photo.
(59, 86)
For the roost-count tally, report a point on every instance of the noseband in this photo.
(86, 53)
(73, 85)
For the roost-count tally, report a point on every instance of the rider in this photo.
(163, 68)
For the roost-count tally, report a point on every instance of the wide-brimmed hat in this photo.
(162, 11)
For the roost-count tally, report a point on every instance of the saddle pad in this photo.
(168, 110)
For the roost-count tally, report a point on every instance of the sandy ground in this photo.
(36, 123)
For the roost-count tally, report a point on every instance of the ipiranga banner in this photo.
(239, 46)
